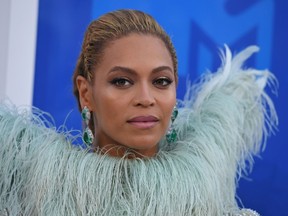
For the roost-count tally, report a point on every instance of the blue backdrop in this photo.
(198, 29)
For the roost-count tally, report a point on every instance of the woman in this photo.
(141, 159)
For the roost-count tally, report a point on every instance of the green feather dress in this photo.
(222, 123)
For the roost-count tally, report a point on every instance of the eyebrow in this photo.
(131, 71)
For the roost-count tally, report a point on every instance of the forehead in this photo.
(136, 50)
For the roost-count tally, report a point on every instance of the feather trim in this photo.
(219, 128)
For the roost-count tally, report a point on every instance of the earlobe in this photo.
(84, 89)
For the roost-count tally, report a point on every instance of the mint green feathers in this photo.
(224, 121)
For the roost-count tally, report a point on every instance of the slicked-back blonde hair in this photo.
(110, 27)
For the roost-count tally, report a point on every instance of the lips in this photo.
(143, 122)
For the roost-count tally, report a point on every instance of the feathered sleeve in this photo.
(24, 135)
(228, 116)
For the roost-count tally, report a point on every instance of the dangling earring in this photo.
(87, 133)
(171, 135)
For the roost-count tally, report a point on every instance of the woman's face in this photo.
(132, 95)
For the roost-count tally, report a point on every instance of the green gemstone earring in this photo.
(171, 134)
(87, 133)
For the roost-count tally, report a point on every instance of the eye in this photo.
(162, 82)
(121, 82)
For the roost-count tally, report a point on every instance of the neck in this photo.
(124, 151)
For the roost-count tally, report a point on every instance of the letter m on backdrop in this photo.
(236, 23)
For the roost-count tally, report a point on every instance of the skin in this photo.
(134, 78)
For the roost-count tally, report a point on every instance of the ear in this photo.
(85, 92)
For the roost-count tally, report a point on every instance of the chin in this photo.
(143, 143)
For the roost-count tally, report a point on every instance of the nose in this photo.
(144, 96)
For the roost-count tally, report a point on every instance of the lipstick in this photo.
(143, 122)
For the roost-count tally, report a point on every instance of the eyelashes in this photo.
(123, 82)
(162, 82)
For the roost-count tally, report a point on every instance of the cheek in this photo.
(109, 108)
(167, 107)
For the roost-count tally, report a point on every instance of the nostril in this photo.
(144, 96)
(144, 103)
